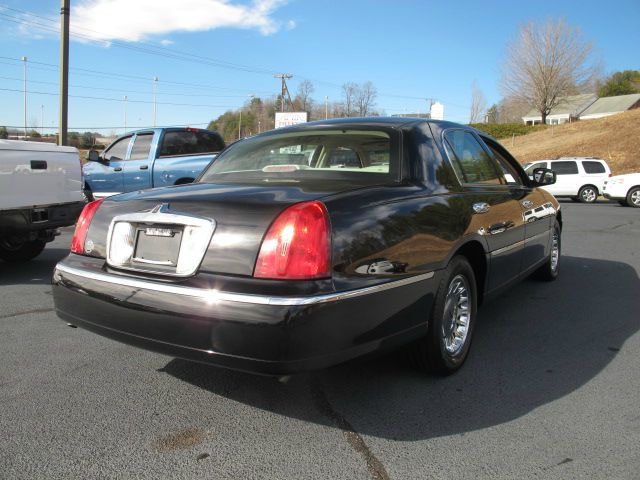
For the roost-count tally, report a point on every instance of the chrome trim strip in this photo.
(214, 296)
(520, 243)
(104, 194)
(507, 248)
(535, 237)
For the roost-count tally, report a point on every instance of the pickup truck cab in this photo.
(150, 158)
(40, 191)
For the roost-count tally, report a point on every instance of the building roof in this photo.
(615, 104)
(572, 105)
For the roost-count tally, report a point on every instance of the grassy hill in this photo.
(615, 139)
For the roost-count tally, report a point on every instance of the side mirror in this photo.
(93, 156)
(543, 176)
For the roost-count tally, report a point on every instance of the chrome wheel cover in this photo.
(635, 197)
(589, 195)
(457, 315)
(555, 251)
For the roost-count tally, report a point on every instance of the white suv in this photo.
(580, 178)
(623, 188)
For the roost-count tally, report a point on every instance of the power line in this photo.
(137, 78)
(142, 127)
(87, 97)
(125, 90)
(177, 54)
(141, 46)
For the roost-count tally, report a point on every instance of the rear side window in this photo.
(190, 143)
(593, 167)
(564, 168)
(141, 147)
(470, 161)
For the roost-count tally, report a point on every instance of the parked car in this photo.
(150, 158)
(580, 178)
(388, 232)
(623, 188)
(40, 191)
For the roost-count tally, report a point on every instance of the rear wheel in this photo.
(20, 251)
(88, 196)
(452, 320)
(633, 197)
(588, 194)
(549, 271)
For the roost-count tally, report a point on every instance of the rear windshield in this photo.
(364, 155)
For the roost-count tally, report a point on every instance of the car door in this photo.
(497, 213)
(567, 178)
(537, 212)
(138, 166)
(106, 177)
(594, 173)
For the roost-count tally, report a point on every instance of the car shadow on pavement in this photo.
(534, 344)
(34, 272)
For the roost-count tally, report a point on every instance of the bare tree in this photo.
(478, 104)
(365, 98)
(544, 63)
(303, 96)
(349, 94)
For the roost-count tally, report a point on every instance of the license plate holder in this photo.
(157, 245)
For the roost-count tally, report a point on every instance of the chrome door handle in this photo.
(527, 203)
(481, 207)
(144, 167)
(117, 169)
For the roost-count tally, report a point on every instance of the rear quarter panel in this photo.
(169, 170)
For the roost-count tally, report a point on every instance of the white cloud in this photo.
(135, 20)
(165, 42)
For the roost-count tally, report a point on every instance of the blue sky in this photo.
(410, 50)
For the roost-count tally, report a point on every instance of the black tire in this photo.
(550, 270)
(431, 353)
(633, 197)
(18, 252)
(88, 196)
(588, 194)
(623, 203)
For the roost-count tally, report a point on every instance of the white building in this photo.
(568, 110)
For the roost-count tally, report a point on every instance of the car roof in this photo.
(388, 122)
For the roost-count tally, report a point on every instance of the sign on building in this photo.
(286, 119)
(437, 111)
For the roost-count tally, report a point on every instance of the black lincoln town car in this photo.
(304, 247)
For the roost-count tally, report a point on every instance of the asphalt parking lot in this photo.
(551, 390)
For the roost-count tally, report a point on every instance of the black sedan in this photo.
(307, 246)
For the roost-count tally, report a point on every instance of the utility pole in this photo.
(24, 61)
(65, 11)
(326, 107)
(155, 87)
(42, 120)
(240, 125)
(285, 90)
(125, 114)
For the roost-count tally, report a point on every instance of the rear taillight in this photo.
(297, 244)
(82, 226)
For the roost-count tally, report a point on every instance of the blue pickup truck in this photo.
(150, 158)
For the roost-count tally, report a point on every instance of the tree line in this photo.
(258, 114)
